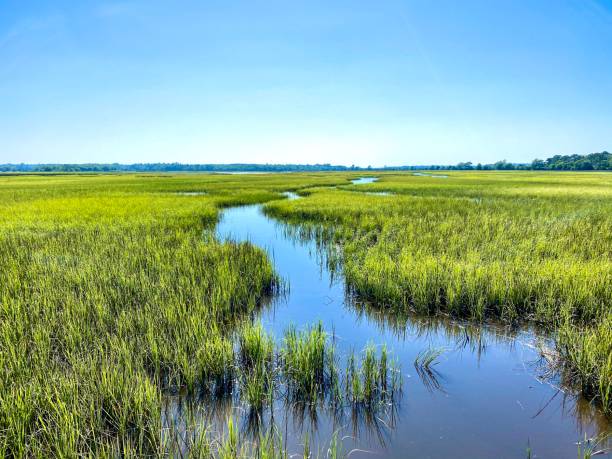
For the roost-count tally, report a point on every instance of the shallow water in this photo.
(484, 400)
(364, 180)
(420, 174)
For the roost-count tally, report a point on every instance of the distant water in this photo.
(420, 174)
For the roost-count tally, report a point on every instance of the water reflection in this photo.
(185, 417)
(364, 180)
(421, 174)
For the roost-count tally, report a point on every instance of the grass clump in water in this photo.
(256, 359)
(376, 380)
(586, 357)
(307, 363)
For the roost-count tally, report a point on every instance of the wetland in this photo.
(313, 314)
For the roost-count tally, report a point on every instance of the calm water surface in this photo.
(485, 400)
(421, 174)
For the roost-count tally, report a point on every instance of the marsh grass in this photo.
(301, 373)
(269, 445)
(375, 380)
(114, 293)
(586, 355)
(307, 363)
(255, 366)
(312, 373)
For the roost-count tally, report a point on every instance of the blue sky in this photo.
(346, 82)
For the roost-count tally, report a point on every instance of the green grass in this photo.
(255, 365)
(307, 363)
(375, 380)
(114, 290)
(586, 355)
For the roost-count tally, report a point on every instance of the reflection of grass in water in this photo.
(269, 445)
(425, 359)
(302, 378)
(258, 438)
(424, 363)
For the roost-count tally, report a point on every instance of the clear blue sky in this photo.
(363, 82)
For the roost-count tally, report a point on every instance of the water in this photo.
(484, 401)
(364, 180)
(420, 174)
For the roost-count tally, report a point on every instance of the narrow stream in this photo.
(485, 399)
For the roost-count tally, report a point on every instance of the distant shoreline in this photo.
(591, 162)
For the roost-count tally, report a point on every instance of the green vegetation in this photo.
(115, 292)
(311, 371)
(377, 380)
(424, 364)
(256, 349)
(308, 364)
(593, 161)
(305, 369)
(512, 246)
(270, 446)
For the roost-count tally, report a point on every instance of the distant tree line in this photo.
(171, 167)
(594, 161)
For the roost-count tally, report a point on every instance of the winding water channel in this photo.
(486, 398)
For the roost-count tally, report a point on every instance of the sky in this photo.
(343, 82)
